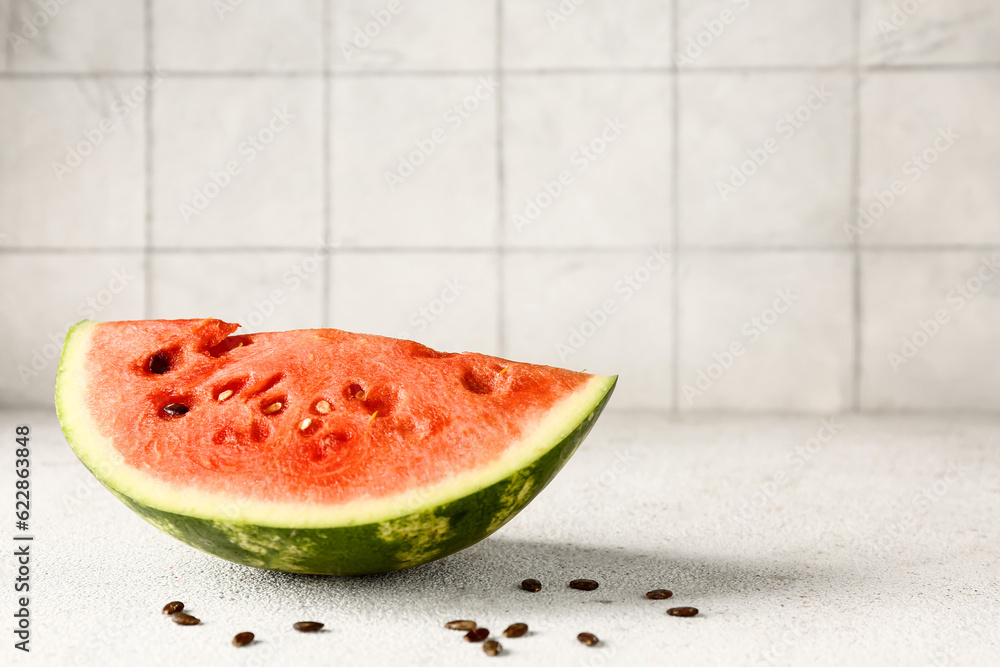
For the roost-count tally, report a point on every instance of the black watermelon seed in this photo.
(659, 594)
(682, 611)
(516, 630)
(464, 626)
(159, 363)
(477, 635)
(583, 584)
(173, 607)
(308, 626)
(180, 618)
(587, 638)
(242, 639)
(492, 647)
(531, 585)
(175, 409)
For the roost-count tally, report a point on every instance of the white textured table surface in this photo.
(881, 546)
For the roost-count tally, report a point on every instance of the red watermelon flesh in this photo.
(318, 415)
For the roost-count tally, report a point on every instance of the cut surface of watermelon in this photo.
(317, 450)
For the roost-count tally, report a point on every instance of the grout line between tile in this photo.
(690, 249)
(675, 159)
(944, 67)
(9, 43)
(500, 245)
(855, 193)
(148, 307)
(327, 186)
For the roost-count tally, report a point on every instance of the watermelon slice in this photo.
(316, 451)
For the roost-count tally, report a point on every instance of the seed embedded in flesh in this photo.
(175, 409)
(477, 635)
(682, 611)
(305, 424)
(226, 394)
(159, 364)
(308, 626)
(492, 647)
(516, 630)
(531, 585)
(464, 626)
(323, 407)
(173, 607)
(659, 594)
(180, 618)
(242, 639)
(271, 409)
(587, 638)
(583, 584)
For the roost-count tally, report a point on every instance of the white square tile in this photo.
(64, 36)
(587, 160)
(237, 162)
(765, 158)
(71, 168)
(414, 161)
(55, 292)
(934, 137)
(922, 32)
(444, 300)
(606, 312)
(767, 331)
(929, 330)
(238, 35)
(401, 35)
(747, 33)
(596, 33)
(260, 291)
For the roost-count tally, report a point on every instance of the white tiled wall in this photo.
(664, 189)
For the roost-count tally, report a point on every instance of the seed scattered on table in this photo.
(659, 594)
(477, 635)
(583, 584)
(587, 638)
(531, 585)
(464, 626)
(242, 639)
(492, 647)
(173, 607)
(516, 630)
(682, 611)
(180, 618)
(308, 626)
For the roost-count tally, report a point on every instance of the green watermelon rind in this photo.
(396, 533)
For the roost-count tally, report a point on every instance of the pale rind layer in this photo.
(361, 536)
